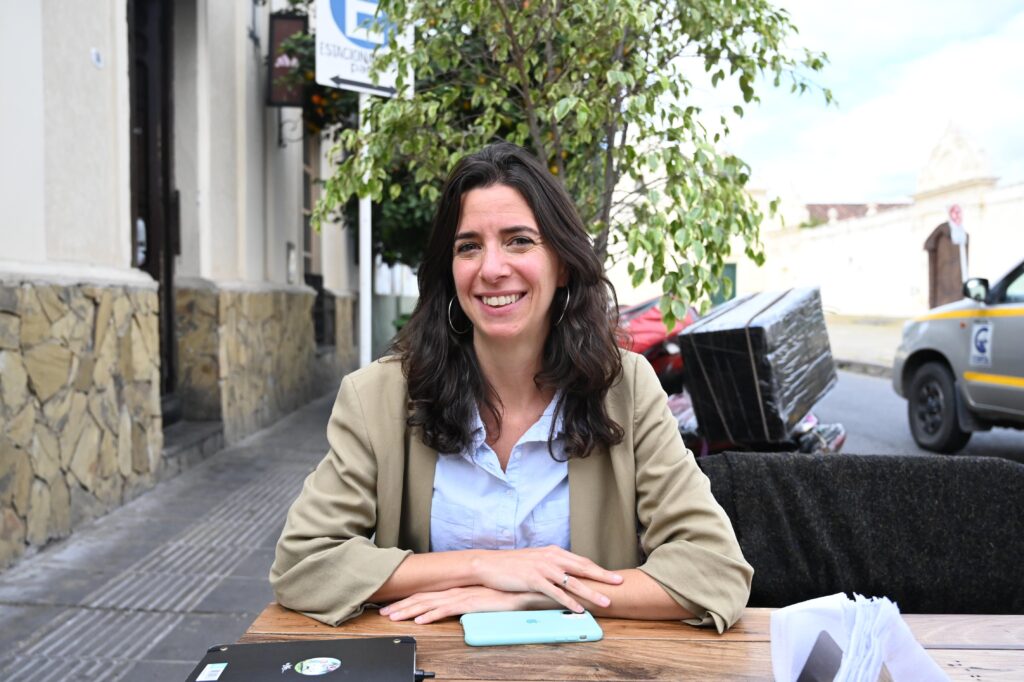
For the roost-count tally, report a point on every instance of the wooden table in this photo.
(967, 647)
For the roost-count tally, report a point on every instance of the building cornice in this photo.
(69, 274)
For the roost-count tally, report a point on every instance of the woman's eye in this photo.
(521, 242)
(465, 247)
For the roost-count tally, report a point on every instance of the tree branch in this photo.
(519, 60)
(611, 174)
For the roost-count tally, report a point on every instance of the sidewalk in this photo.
(141, 593)
(866, 345)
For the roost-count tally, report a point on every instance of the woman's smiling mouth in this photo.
(500, 301)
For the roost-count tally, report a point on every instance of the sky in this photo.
(902, 72)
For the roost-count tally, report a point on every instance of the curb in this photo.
(867, 368)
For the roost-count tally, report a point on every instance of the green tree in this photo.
(400, 225)
(603, 91)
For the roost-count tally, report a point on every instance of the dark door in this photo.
(945, 280)
(153, 197)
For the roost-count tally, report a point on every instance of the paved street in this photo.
(141, 593)
(876, 421)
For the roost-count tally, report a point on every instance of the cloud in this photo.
(901, 74)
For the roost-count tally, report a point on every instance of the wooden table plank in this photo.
(978, 665)
(933, 631)
(604, 661)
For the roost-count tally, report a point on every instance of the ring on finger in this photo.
(565, 580)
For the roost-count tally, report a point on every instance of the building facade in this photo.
(157, 267)
(874, 262)
(878, 260)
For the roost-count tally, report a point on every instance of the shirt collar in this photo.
(539, 432)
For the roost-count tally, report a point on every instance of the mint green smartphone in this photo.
(529, 627)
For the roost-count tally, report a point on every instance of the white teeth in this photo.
(499, 301)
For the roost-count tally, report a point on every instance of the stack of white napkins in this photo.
(870, 633)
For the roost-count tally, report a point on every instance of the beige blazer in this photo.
(367, 504)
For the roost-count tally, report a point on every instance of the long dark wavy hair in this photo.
(580, 357)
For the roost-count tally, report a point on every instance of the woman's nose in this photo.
(494, 265)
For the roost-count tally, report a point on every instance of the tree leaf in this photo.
(601, 92)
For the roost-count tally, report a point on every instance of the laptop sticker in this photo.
(211, 672)
(317, 666)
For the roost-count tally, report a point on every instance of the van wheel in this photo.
(931, 410)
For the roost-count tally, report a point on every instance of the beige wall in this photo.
(87, 143)
(241, 192)
(283, 194)
(65, 177)
(186, 134)
(22, 223)
(877, 265)
(220, 193)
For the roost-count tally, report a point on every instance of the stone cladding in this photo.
(245, 357)
(80, 419)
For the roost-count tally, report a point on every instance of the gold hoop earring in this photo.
(452, 326)
(565, 307)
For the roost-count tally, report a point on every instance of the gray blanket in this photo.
(934, 534)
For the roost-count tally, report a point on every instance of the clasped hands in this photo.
(512, 580)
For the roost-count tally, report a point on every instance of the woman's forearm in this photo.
(430, 572)
(639, 597)
(537, 569)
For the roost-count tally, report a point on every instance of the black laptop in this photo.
(376, 659)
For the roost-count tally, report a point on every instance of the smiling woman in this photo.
(507, 455)
(505, 276)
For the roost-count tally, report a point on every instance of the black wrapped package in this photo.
(756, 365)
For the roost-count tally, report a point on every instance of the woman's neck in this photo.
(510, 371)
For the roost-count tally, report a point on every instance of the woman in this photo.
(560, 449)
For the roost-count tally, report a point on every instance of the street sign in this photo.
(347, 33)
(958, 235)
(956, 224)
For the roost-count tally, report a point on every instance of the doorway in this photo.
(154, 200)
(945, 280)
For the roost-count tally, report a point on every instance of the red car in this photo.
(644, 332)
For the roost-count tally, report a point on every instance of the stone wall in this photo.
(336, 360)
(196, 325)
(246, 355)
(267, 355)
(80, 424)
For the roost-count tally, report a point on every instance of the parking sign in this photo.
(347, 33)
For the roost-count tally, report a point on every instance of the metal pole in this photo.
(365, 262)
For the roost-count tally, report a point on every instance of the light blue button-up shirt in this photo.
(476, 505)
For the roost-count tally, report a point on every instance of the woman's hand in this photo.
(549, 571)
(427, 607)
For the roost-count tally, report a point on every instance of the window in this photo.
(1015, 290)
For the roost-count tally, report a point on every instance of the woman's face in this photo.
(505, 275)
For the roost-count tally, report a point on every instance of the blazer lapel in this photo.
(419, 491)
(585, 505)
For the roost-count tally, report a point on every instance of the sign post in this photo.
(958, 235)
(350, 34)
